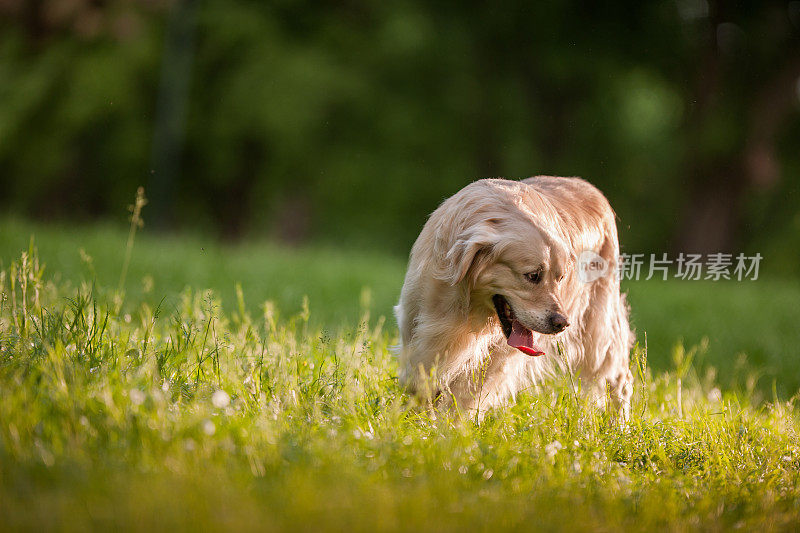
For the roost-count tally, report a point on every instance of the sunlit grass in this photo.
(118, 410)
(749, 325)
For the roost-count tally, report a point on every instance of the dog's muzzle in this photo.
(517, 335)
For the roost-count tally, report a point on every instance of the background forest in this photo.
(350, 121)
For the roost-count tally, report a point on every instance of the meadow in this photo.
(251, 387)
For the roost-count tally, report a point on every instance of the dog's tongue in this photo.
(521, 338)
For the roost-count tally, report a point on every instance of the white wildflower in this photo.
(551, 449)
(137, 397)
(714, 395)
(220, 399)
(209, 428)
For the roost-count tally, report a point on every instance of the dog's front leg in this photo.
(621, 389)
(479, 388)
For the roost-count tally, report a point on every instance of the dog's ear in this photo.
(471, 249)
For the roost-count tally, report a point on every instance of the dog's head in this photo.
(512, 265)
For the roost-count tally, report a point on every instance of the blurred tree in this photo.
(170, 121)
(744, 93)
(353, 120)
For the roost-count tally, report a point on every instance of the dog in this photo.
(508, 284)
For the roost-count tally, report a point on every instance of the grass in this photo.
(750, 327)
(182, 402)
(163, 266)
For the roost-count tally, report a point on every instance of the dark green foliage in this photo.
(353, 121)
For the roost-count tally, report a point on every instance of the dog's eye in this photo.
(534, 277)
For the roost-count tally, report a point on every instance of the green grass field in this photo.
(205, 394)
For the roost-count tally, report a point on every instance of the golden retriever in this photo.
(502, 272)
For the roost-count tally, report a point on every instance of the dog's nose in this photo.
(558, 322)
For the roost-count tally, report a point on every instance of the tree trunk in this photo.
(712, 217)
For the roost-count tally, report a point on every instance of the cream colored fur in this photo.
(481, 242)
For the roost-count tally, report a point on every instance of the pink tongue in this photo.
(521, 338)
